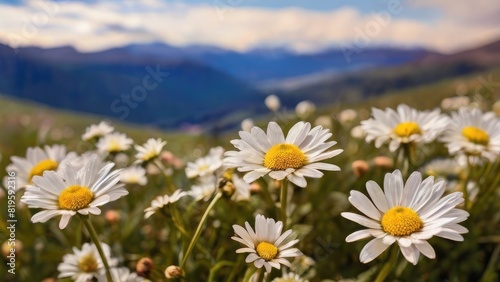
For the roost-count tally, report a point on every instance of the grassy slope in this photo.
(23, 124)
(425, 96)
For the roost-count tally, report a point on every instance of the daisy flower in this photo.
(305, 109)
(290, 277)
(408, 214)
(114, 142)
(473, 133)
(207, 165)
(406, 125)
(97, 131)
(295, 157)
(121, 274)
(149, 151)
(85, 264)
(272, 102)
(267, 246)
(134, 175)
(242, 191)
(203, 191)
(161, 201)
(73, 191)
(37, 161)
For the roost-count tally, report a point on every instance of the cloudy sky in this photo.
(303, 26)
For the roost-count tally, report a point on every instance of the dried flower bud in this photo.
(173, 272)
(383, 162)
(144, 267)
(359, 168)
(112, 216)
(255, 188)
(226, 184)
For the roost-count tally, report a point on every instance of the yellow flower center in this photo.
(476, 135)
(42, 166)
(267, 251)
(114, 146)
(149, 156)
(88, 263)
(75, 197)
(401, 221)
(283, 156)
(407, 129)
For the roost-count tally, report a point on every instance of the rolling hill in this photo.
(166, 93)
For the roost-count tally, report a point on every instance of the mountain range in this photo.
(167, 86)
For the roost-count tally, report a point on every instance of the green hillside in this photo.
(25, 123)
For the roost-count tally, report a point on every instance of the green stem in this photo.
(406, 159)
(261, 275)
(466, 183)
(283, 199)
(267, 195)
(170, 185)
(235, 269)
(218, 266)
(486, 195)
(176, 221)
(386, 269)
(198, 229)
(93, 235)
(491, 264)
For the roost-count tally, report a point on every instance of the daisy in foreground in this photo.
(406, 125)
(267, 246)
(295, 157)
(408, 214)
(85, 264)
(473, 133)
(73, 191)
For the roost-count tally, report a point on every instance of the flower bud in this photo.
(359, 168)
(144, 267)
(383, 162)
(173, 272)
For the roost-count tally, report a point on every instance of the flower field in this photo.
(400, 192)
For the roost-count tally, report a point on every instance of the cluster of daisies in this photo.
(468, 131)
(407, 210)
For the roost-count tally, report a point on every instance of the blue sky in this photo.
(311, 4)
(303, 26)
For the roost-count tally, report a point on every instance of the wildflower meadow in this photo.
(377, 194)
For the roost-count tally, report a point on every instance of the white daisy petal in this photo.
(361, 220)
(364, 205)
(372, 250)
(410, 253)
(358, 235)
(426, 249)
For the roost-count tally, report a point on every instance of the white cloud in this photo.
(91, 27)
(477, 12)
